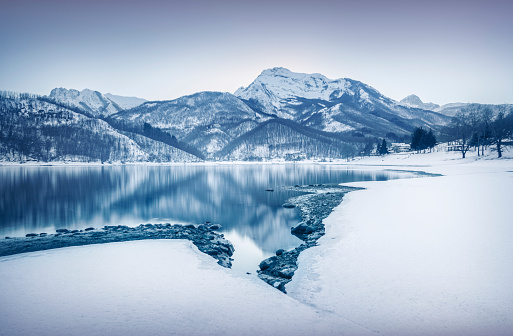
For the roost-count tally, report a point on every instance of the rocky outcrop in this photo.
(203, 236)
(314, 206)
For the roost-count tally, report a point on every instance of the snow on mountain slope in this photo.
(41, 130)
(279, 138)
(316, 101)
(125, 102)
(91, 101)
(189, 112)
(285, 84)
(278, 90)
(208, 120)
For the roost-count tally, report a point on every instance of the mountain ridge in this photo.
(94, 102)
(280, 115)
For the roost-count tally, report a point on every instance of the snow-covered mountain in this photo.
(414, 101)
(339, 105)
(125, 102)
(286, 94)
(282, 138)
(207, 120)
(452, 109)
(281, 114)
(91, 101)
(36, 128)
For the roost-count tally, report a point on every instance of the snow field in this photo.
(425, 256)
(160, 287)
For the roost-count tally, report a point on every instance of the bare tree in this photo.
(485, 118)
(462, 127)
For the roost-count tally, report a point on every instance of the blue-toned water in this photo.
(43, 198)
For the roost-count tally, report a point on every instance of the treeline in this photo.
(480, 127)
(35, 140)
(422, 139)
(156, 134)
(16, 96)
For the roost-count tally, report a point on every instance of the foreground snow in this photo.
(159, 287)
(428, 256)
(404, 257)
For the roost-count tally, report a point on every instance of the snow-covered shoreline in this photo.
(203, 236)
(402, 257)
(419, 256)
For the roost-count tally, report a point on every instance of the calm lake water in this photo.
(44, 198)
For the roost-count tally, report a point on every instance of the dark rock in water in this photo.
(287, 273)
(214, 227)
(206, 240)
(269, 189)
(302, 229)
(62, 231)
(277, 271)
(8, 238)
(265, 264)
(43, 234)
(288, 205)
(207, 222)
(89, 229)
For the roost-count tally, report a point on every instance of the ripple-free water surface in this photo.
(44, 198)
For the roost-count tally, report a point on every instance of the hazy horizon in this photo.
(442, 51)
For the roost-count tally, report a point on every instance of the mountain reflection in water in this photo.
(43, 198)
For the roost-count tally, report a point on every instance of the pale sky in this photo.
(443, 51)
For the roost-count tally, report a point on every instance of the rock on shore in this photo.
(203, 236)
(316, 205)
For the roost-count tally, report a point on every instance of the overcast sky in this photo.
(443, 51)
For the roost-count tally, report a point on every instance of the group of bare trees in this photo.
(480, 128)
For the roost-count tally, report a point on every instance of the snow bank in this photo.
(420, 256)
(157, 287)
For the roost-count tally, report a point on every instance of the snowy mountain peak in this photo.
(276, 89)
(283, 84)
(284, 72)
(125, 102)
(94, 102)
(414, 101)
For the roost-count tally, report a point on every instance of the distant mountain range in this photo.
(451, 109)
(94, 102)
(281, 114)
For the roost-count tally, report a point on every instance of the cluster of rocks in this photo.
(203, 236)
(315, 205)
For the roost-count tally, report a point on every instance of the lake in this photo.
(35, 199)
